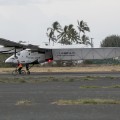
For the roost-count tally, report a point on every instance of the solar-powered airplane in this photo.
(33, 54)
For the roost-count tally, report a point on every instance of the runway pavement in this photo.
(57, 74)
(39, 98)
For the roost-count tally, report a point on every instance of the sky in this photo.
(28, 20)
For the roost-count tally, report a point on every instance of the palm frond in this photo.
(49, 28)
(87, 29)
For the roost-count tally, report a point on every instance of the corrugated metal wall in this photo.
(85, 53)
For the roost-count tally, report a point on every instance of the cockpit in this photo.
(11, 59)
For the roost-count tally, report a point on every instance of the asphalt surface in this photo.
(43, 95)
(64, 74)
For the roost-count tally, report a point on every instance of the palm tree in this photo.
(82, 27)
(51, 35)
(51, 31)
(68, 35)
(73, 34)
(86, 40)
(56, 26)
(63, 36)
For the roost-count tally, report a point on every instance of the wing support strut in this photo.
(15, 52)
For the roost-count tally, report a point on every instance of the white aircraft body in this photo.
(32, 54)
(27, 56)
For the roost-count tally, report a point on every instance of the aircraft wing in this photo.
(9, 43)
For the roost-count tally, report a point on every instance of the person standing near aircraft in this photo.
(20, 66)
(27, 68)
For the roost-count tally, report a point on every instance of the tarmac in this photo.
(39, 98)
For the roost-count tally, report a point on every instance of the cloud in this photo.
(22, 2)
(29, 19)
(26, 2)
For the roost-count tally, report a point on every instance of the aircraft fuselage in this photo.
(26, 56)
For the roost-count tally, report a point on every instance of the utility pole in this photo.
(92, 45)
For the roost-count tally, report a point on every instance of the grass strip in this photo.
(87, 101)
(113, 86)
(23, 102)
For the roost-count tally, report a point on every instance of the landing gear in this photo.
(28, 72)
(28, 68)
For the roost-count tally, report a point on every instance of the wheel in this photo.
(15, 72)
(28, 72)
(23, 72)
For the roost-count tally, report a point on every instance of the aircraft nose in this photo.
(8, 60)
